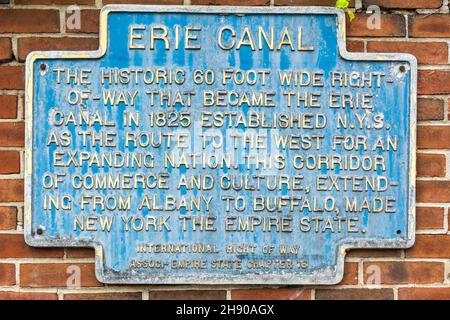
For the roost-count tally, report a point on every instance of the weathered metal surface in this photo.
(321, 251)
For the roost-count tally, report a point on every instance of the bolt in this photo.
(40, 230)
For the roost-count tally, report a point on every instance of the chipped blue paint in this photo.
(323, 251)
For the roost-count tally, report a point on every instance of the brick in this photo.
(14, 246)
(430, 109)
(429, 218)
(7, 274)
(433, 137)
(188, 295)
(271, 294)
(8, 106)
(11, 190)
(26, 45)
(433, 191)
(350, 273)
(89, 22)
(5, 50)
(448, 220)
(430, 165)
(355, 46)
(9, 295)
(164, 2)
(433, 82)
(402, 4)
(29, 20)
(429, 26)
(8, 218)
(68, 2)
(326, 3)
(391, 26)
(21, 106)
(104, 296)
(401, 272)
(374, 253)
(425, 52)
(231, 2)
(354, 294)
(12, 134)
(430, 246)
(13, 77)
(9, 162)
(78, 253)
(41, 275)
(442, 293)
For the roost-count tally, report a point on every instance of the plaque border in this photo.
(327, 276)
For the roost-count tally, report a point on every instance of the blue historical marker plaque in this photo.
(220, 145)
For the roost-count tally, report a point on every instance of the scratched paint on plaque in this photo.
(225, 145)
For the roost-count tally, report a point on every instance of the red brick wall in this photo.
(420, 27)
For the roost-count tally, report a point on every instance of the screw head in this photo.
(40, 230)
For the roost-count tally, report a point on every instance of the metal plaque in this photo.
(220, 145)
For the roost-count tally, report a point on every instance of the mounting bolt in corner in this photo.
(40, 230)
(400, 71)
(43, 67)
